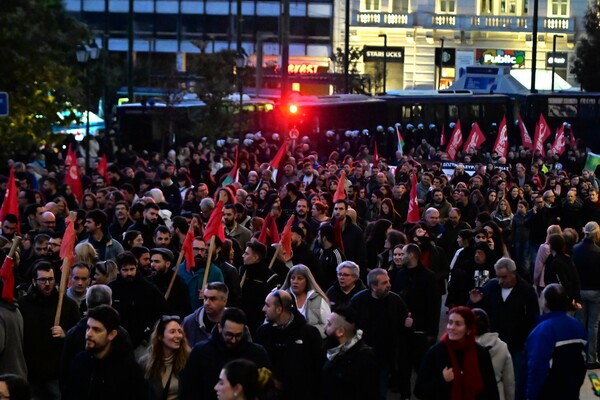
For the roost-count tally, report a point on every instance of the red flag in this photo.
(572, 142)
(455, 141)
(475, 139)
(72, 179)
(375, 156)
(340, 193)
(103, 169)
(501, 145)
(413, 205)
(277, 159)
(67, 247)
(286, 239)
(560, 142)
(11, 202)
(443, 136)
(270, 225)
(525, 138)
(8, 276)
(187, 248)
(71, 158)
(542, 132)
(215, 227)
(233, 171)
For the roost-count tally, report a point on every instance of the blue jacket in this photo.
(193, 280)
(556, 351)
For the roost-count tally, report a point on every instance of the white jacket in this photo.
(502, 362)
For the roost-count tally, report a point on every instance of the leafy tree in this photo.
(38, 70)
(587, 63)
(356, 82)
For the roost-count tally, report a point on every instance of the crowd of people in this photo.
(351, 310)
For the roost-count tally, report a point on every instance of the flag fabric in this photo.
(455, 141)
(413, 205)
(72, 175)
(71, 158)
(103, 169)
(340, 193)
(11, 202)
(572, 142)
(277, 160)
(525, 138)
(542, 132)
(337, 233)
(286, 239)
(443, 135)
(375, 156)
(269, 226)
(592, 161)
(475, 139)
(501, 145)
(187, 248)
(560, 143)
(8, 277)
(67, 247)
(214, 226)
(233, 175)
(400, 140)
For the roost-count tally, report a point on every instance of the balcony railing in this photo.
(382, 19)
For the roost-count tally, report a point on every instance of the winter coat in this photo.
(502, 363)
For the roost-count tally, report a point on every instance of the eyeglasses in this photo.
(344, 274)
(231, 336)
(45, 281)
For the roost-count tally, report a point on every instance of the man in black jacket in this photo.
(351, 370)
(294, 347)
(229, 341)
(103, 370)
(352, 237)
(178, 303)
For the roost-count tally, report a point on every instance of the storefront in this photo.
(514, 58)
(446, 59)
(375, 57)
(560, 61)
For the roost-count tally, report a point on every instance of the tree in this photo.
(587, 63)
(38, 70)
(356, 82)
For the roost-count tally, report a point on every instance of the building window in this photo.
(559, 8)
(447, 6)
(487, 7)
(508, 7)
(400, 6)
(371, 5)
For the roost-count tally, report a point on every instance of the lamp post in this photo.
(554, 57)
(441, 63)
(240, 65)
(534, 33)
(84, 53)
(384, 36)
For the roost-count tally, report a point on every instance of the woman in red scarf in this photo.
(457, 368)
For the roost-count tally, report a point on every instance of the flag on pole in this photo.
(67, 247)
(269, 226)
(560, 143)
(400, 139)
(375, 156)
(592, 161)
(443, 135)
(73, 179)
(501, 145)
(187, 248)
(525, 138)
(103, 169)
(277, 160)
(8, 276)
(475, 139)
(286, 239)
(542, 132)
(71, 158)
(340, 192)
(214, 226)
(413, 205)
(455, 141)
(11, 202)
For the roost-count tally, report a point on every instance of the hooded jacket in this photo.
(502, 363)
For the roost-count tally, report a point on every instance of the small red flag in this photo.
(560, 143)
(413, 205)
(501, 145)
(187, 248)
(525, 138)
(103, 169)
(269, 226)
(286, 239)
(8, 276)
(340, 193)
(67, 247)
(215, 227)
(572, 142)
(277, 160)
(11, 202)
(71, 158)
(455, 142)
(475, 139)
(72, 177)
(542, 132)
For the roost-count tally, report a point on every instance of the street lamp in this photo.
(554, 57)
(84, 53)
(240, 64)
(384, 36)
(441, 62)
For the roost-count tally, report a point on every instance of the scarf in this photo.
(467, 383)
(342, 348)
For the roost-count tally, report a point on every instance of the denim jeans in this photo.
(588, 316)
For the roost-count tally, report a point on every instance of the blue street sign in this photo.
(3, 104)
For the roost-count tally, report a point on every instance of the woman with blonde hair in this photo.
(167, 355)
(105, 272)
(85, 252)
(308, 296)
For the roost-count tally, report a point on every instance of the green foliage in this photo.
(587, 63)
(216, 82)
(38, 70)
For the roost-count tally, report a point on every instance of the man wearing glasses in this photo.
(228, 342)
(42, 339)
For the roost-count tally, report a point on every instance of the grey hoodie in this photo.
(502, 362)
